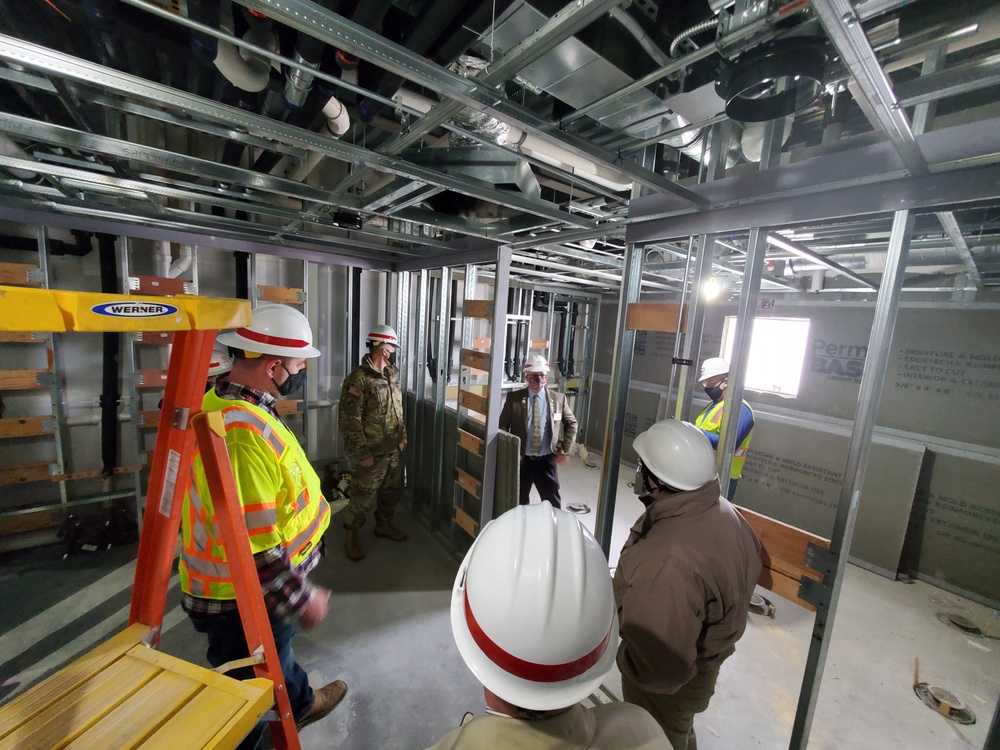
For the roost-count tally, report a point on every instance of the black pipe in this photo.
(518, 359)
(570, 361)
(433, 324)
(354, 333)
(508, 360)
(242, 275)
(209, 13)
(451, 329)
(110, 395)
(56, 247)
(563, 325)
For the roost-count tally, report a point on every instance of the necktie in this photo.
(535, 446)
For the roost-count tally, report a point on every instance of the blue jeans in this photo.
(227, 642)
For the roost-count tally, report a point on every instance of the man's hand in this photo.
(367, 462)
(314, 612)
(402, 446)
(561, 458)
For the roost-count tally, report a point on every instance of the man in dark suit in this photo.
(535, 415)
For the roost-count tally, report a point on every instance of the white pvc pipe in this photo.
(337, 119)
(557, 156)
(162, 258)
(244, 70)
(182, 264)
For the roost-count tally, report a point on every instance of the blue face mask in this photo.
(714, 392)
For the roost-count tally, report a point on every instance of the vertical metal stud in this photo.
(440, 510)
(501, 288)
(55, 395)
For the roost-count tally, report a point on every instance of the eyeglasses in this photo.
(533, 378)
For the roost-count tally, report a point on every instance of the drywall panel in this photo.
(794, 472)
(955, 532)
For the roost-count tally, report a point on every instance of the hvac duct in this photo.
(298, 83)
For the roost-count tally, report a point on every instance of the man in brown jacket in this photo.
(535, 414)
(683, 582)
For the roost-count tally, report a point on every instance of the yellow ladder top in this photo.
(57, 311)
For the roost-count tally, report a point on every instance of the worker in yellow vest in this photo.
(714, 378)
(283, 506)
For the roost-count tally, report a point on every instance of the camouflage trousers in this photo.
(380, 485)
(676, 712)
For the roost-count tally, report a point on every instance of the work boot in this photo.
(352, 545)
(386, 529)
(326, 699)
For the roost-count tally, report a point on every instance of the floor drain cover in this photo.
(945, 703)
(960, 622)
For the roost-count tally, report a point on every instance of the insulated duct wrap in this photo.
(488, 127)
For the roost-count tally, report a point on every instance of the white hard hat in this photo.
(222, 360)
(677, 454)
(711, 367)
(532, 609)
(275, 329)
(537, 364)
(383, 335)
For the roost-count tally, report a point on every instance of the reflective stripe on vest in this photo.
(710, 420)
(203, 568)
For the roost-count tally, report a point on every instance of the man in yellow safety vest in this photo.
(714, 378)
(283, 506)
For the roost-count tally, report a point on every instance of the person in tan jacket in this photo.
(533, 617)
(535, 415)
(683, 582)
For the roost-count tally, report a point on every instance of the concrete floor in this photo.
(388, 635)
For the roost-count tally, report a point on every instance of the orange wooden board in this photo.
(17, 274)
(158, 285)
(470, 442)
(478, 308)
(653, 316)
(466, 522)
(472, 401)
(467, 482)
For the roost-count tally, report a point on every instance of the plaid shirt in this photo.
(286, 588)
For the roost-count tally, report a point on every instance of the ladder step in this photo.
(20, 380)
(479, 308)
(470, 442)
(17, 427)
(476, 360)
(288, 406)
(473, 401)
(159, 285)
(467, 482)
(36, 471)
(466, 522)
(20, 274)
(284, 294)
(150, 378)
(23, 337)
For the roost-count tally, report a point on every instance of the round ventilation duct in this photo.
(773, 80)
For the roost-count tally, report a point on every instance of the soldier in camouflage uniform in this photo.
(371, 421)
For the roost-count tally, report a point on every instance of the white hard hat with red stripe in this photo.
(532, 609)
(222, 360)
(275, 329)
(383, 335)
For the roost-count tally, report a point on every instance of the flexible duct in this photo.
(698, 28)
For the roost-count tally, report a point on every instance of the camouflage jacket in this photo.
(371, 412)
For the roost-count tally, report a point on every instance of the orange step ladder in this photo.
(124, 694)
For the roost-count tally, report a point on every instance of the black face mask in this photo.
(714, 392)
(391, 359)
(293, 383)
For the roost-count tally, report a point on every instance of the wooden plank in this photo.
(466, 522)
(19, 380)
(199, 722)
(473, 401)
(96, 473)
(49, 518)
(476, 360)
(158, 285)
(46, 693)
(481, 343)
(284, 294)
(36, 471)
(150, 378)
(539, 343)
(149, 418)
(154, 337)
(470, 442)
(479, 308)
(783, 555)
(467, 482)
(15, 427)
(17, 274)
(23, 337)
(287, 406)
(653, 316)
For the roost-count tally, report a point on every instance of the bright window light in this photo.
(777, 353)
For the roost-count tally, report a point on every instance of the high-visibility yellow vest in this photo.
(710, 420)
(279, 492)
